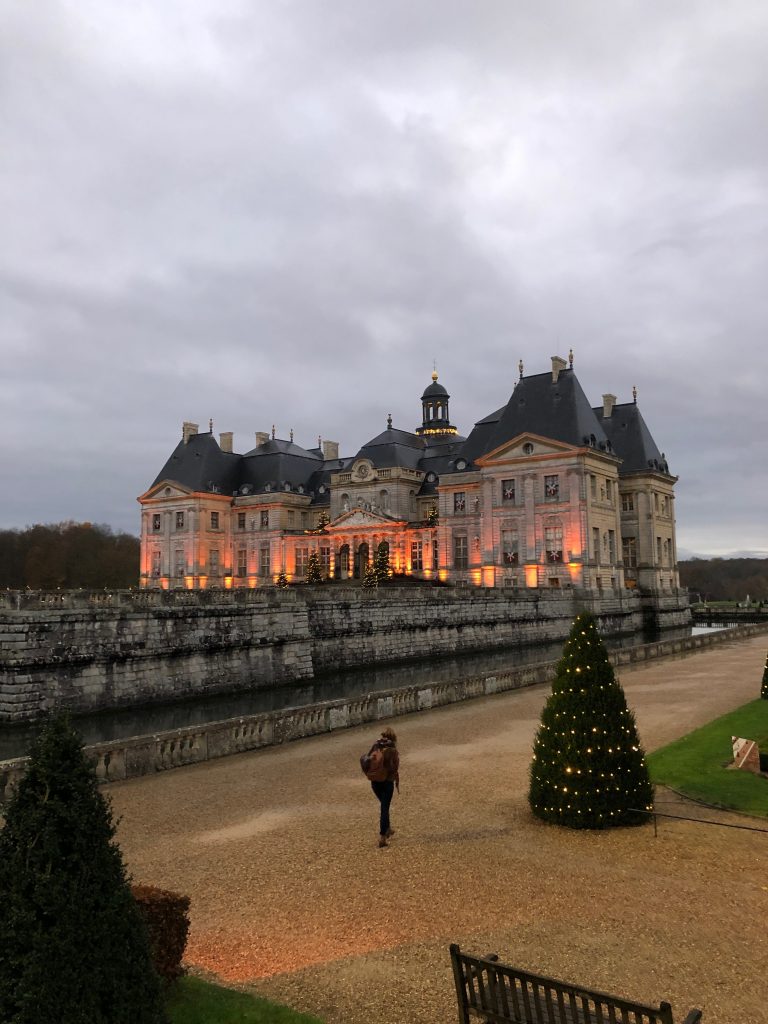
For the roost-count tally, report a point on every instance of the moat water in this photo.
(153, 718)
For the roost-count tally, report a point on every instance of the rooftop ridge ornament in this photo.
(291, 434)
(210, 426)
(570, 358)
(634, 394)
(273, 431)
(520, 368)
(389, 421)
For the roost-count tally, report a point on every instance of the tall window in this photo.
(264, 569)
(156, 522)
(509, 547)
(553, 542)
(242, 562)
(417, 556)
(384, 501)
(213, 562)
(460, 558)
(302, 557)
(264, 518)
(459, 502)
(658, 551)
(609, 490)
(611, 546)
(179, 520)
(412, 501)
(596, 543)
(628, 503)
(241, 520)
(156, 564)
(593, 485)
(325, 560)
(214, 520)
(552, 488)
(508, 491)
(629, 552)
(178, 562)
(291, 519)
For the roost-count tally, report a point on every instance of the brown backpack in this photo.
(374, 765)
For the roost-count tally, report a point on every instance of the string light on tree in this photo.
(606, 761)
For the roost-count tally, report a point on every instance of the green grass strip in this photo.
(696, 764)
(194, 1001)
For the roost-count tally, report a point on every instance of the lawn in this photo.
(696, 764)
(194, 1001)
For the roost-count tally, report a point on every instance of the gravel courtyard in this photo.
(292, 898)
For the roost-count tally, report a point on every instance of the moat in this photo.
(155, 718)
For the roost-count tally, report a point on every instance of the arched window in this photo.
(345, 503)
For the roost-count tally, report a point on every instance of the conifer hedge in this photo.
(588, 768)
(73, 947)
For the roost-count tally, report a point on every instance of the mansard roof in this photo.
(540, 405)
(201, 465)
(393, 448)
(632, 440)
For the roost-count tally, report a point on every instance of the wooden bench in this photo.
(498, 994)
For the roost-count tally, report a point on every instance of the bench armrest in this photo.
(694, 1017)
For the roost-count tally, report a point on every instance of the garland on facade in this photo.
(588, 768)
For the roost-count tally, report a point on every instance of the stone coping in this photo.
(142, 755)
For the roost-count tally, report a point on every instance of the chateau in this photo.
(547, 491)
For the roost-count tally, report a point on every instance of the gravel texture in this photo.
(292, 898)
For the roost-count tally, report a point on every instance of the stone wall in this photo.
(90, 652)
(144, 755)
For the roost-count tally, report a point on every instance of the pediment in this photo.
(166, 489)
(523, 447)
(360, 517)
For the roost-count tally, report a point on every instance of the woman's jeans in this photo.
(384, 792)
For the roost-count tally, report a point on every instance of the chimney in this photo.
(188, 430)
(262, 436)
(608, 403)
(225, 441)
(558, 364)
(330, 450)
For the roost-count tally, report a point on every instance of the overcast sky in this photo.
(282, 212)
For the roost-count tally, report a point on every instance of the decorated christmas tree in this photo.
(370, 578)
(281, 581)
(73, 946)
(381, 562)
(314, 572)
(433, 516)
(764, 690)
(588, 768)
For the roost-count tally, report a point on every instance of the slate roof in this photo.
(202, 466)
(537, 405)
(632, 440)
(393, 447)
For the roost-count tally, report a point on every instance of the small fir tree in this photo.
(381, 562)
(764, 689)
(282, 580)
(588, 768)
(322, 520)
(433, 516)
(370, 579)
(73, 946)
(314, 572)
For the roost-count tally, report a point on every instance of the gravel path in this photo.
(292, 898)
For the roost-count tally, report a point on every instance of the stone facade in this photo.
(545, 493)
(95, 652)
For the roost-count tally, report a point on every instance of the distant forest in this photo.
(725, 579)
(68, 555)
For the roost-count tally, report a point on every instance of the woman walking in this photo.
(383, 770)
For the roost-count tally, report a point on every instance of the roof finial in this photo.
(570, 358)
(319, 441)
(389, 421)
(634, 394)
(520, 368)
(434, 370)
(291, 433)
(273, 431)
(210, 426)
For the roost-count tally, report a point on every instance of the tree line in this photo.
(68, 555)
(725, 579)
